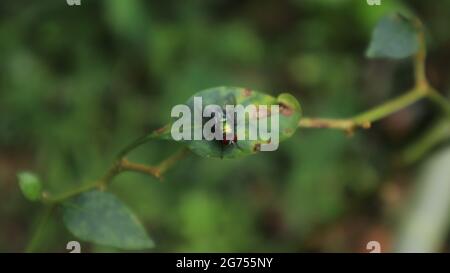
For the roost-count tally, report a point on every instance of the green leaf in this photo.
(101, 218)
(30, 185)
(289, 116)
(394, 37)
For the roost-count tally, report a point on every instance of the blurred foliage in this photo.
(30, 185)
(394, 37)
(99, 217)
(425, 231)
(77, 83)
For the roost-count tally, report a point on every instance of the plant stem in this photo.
(33, 243)
(320, 123)
(138, 142)
(439, 100)
(430, 139)
(156, 171)
(365, 119)
(62, 197)
(118, 167)
(390, 107)
(421, 90)
(170, 161)
(421, 56)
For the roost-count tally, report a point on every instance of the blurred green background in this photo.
(79, 83)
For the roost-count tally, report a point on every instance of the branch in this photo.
(421, 56)
(347, 125)
(365, 119)
(439, 100)
(429, 140)
(156, 171)
(126, 165)
(40, 225)
(422, 89)
(117, 168)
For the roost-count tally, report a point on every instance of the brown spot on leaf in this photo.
(247, 92)
(259, 113)
(257, 147)
(263, 114)
(161, 130)
(286, 110)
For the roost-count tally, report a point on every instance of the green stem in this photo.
(118, 167)
(390, 107)
(138, 142)
(169, 162)
(144, 139)
(420, 57)
(62, 197)
(364, 120)
(156, 171)
(430, 139)
(439, 100)
(421, 90)
(43, 219)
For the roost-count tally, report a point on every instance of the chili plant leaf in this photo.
(289, 116)
(394, 37)
(30, 185)
(101, 218)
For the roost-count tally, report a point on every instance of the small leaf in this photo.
(394, 37)
(30, 185)
(101, 218)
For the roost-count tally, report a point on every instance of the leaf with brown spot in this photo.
(289, 117)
